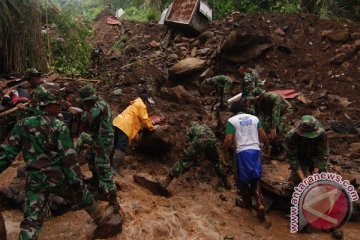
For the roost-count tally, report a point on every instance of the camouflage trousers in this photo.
(189, 157)
(307, 170)
(36, 202)
(98, 158)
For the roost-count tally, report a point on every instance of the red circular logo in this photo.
(326, 206)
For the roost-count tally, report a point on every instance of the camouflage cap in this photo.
(47, 94)
(309, 127)
(258, 91)
(87, 93)
(31, 72)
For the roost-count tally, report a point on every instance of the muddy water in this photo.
(196, 211)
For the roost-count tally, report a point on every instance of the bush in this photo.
(71, 56)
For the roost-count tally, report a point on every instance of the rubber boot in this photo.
(113, 201)
(246, 198)
(226, 182)
(118, 159)
(108, 223)
(260, 205)
(2, 228)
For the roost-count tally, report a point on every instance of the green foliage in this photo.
(221, 7)
(121, 43)
(72, 56)
(139, 14)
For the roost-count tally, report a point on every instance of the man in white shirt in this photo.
(246, 129)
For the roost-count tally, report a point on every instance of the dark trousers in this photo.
(121, 140)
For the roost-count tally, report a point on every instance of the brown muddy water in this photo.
(197, 210)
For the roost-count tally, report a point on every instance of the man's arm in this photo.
(144, 117)
(70, 166)
(264, 139)
(229, 138)
(321, 153)
(292, 154)
(11, 147)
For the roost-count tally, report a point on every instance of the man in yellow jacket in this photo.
(127, 124)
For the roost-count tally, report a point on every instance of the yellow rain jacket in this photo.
(132, 118)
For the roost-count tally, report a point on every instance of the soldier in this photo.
(252, 86)
(99, 135)
(306, 148)
(274, 113)
(51, 167)
(223, 85)
(203, 141)
(247, 130)
(95, 55)
(127, 125)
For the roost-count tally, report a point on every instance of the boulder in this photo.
(156, 143)
(187, 66)
(177, 94)
(341, 35)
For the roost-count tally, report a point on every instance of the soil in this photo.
(298, 58)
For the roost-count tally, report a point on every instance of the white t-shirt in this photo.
(245, 128)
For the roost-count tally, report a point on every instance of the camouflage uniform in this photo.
(274, 112)
(203, 141)
(223, 86)
(51, 167)
(306, 151)
(252, 86)
(100, 136)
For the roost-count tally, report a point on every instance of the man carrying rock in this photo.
(202, 142)
(252, 86)
(307, 148)
(99, 135)
(51, 166)
(274, 112)
(223, 85)
(247, 130)
(127, 125)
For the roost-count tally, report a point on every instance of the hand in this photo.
(155, 127)
(21, 106)
(272, 134)
(300, 174)
(267, 150)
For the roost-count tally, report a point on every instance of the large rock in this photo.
(177, 94)
(157, 143)
(242, 47)
(187, 66)
(341, 35)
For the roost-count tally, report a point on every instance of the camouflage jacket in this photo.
(199, 132)
(33, 108)
(98, 120)
(303, 152)
(270, 107)
(252, 85)
(47, 149)
(221, 82)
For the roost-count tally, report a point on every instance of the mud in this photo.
(298, 57)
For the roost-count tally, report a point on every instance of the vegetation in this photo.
(20, 36)
(70, 50)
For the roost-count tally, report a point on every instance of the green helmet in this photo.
(309, 127)
(47, 94)
(31, 72)
(87, 93)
